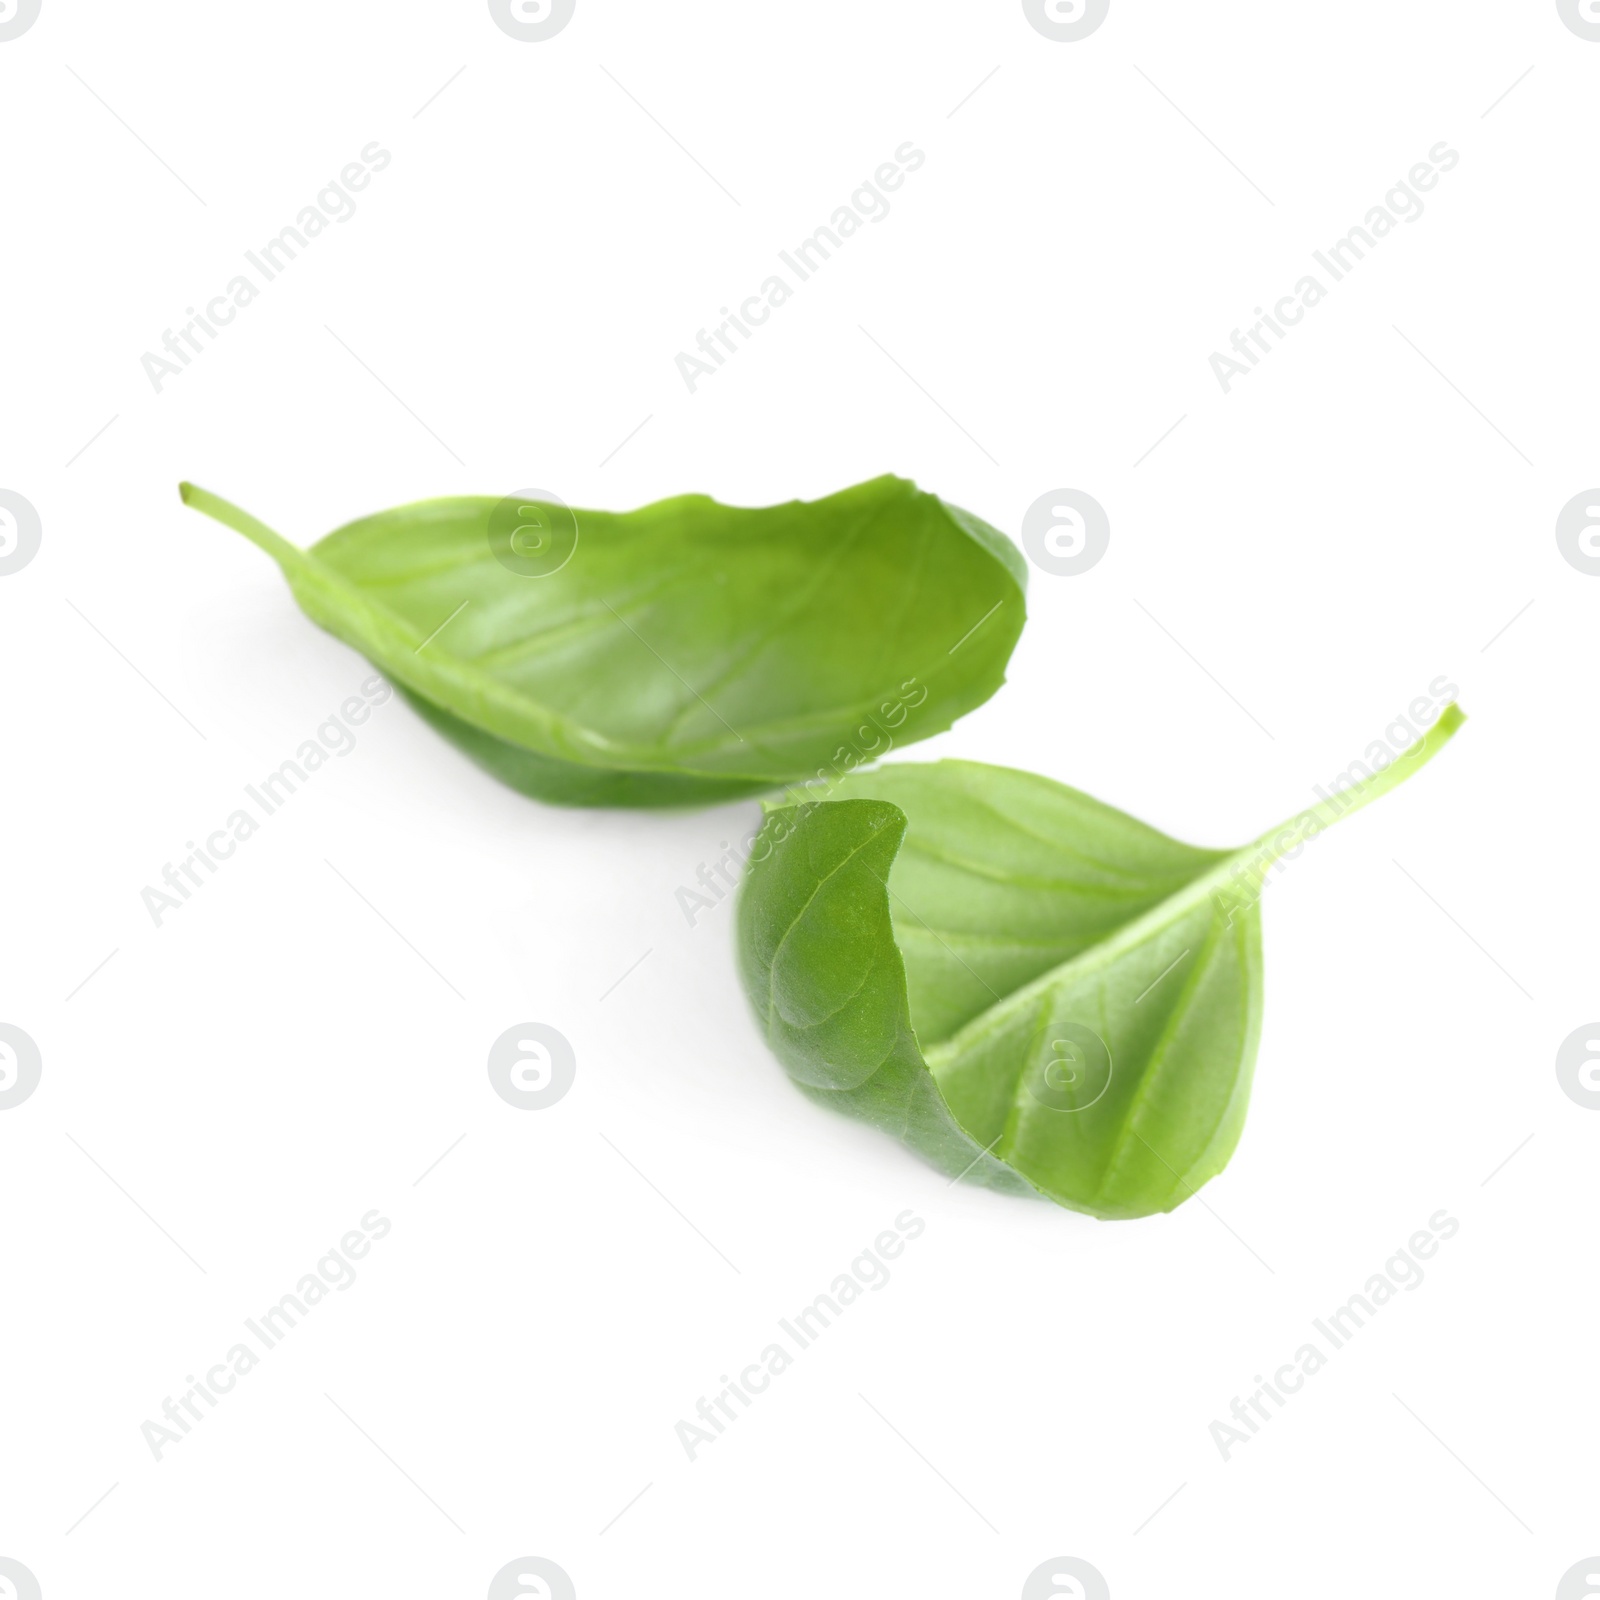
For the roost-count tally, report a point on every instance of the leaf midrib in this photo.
(1128, 937)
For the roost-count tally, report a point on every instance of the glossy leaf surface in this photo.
(1030, 988)
(683, 653)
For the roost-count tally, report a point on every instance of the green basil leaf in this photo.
(683, 653)
(1031, 989)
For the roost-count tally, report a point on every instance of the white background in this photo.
(1365, 512)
